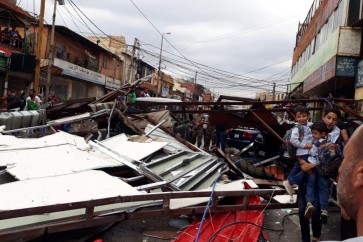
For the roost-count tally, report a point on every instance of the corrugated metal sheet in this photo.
(173, 145)
(184, 170)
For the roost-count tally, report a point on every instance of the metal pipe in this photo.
(113, 155)
(109, 120)
(267, 127)
(155, 127)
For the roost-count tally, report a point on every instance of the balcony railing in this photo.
(304, 25)
(11, 42)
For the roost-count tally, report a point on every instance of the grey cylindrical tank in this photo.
(7, 120)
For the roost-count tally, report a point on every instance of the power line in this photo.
(230, 35)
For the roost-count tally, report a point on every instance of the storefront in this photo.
(77, 82)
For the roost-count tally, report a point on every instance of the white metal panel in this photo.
(52, 155)
(8, 142)
(53, 161)
(83, 186)
(70, 188)
(134, 150)
(185, 202)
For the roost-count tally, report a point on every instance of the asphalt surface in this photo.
(284, 221)
(283, 226)
(287, 220)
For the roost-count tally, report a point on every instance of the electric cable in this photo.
(211, 79)
(207, 207)
(72, 4)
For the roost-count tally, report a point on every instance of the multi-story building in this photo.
(269, 96)
(328, 51)
(17, 59)
(133, 67)
(180, 92)
(81, 68)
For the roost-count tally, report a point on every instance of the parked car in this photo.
(239, 138)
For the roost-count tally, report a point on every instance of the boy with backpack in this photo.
(298, 141)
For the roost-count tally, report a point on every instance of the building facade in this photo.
(17, 57)
(269, 96)
(328, 51)
(133, 67)
(80, 69)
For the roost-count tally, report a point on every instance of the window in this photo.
(104, 63)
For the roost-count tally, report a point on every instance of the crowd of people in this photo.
(26, 100)
(11, 37)
(207, 135)
(13, 102)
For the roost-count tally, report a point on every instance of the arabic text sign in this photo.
(112, 83)
(79, 72)
(359, 79)
(346, 66)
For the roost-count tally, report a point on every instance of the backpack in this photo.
(330, 157)
(288, 149)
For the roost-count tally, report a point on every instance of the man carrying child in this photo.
(316, 159)
(302, 139)
(316, 162)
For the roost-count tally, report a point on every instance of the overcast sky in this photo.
(234, 44)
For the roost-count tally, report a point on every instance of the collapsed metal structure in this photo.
(173, 184)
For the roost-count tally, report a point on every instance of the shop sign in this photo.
(112, 83)
(79, 72)
(346, 66)
(359, 80)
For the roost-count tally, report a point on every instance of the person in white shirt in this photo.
(32, 102)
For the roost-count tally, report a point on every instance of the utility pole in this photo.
(51, 50)
(39, 46)
(273, 91)
(159, 68)
(195, 83)
(132, 65)
(161, 50)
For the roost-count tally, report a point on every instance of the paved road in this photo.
(152, 230)
(159, 229)
(288, 220)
